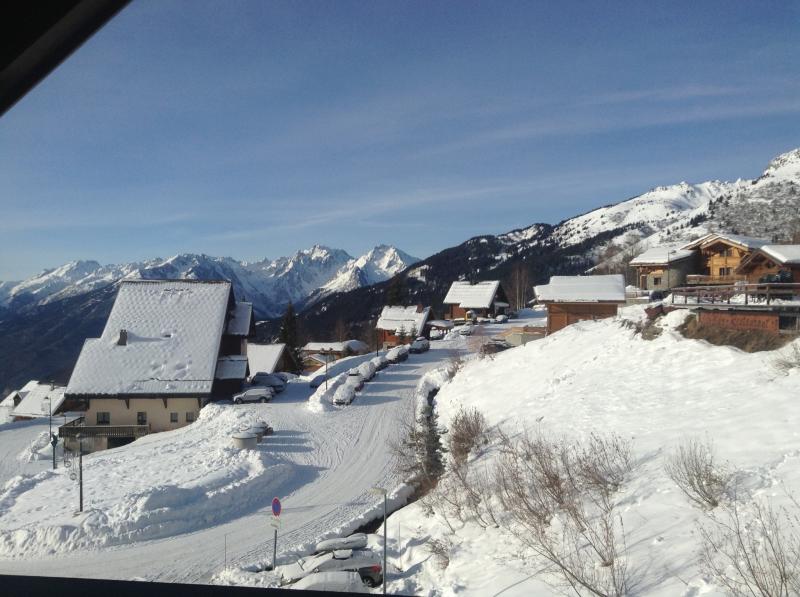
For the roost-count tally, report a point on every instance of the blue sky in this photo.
(253, 129)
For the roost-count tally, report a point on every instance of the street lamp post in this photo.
(385, 494)
(53, 438)
(80, 472)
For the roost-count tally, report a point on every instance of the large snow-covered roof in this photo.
(239, 323)
(393, 318)
(472, 296)
(351, 345)
(747, 242)
(785, 254)
(582, 289)
(662, 255)
(34, 404)
(264, 357)
(173, 337)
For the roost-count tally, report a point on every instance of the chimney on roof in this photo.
(123, 338)
(420, 308)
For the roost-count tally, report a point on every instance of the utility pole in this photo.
(80, 472)
(385, 494)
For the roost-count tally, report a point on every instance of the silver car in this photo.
(257, 394)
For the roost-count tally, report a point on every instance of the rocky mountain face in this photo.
(330, 286)
(269, 284)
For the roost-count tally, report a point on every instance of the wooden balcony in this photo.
(743, 294)
(77, 426)
(695, 279)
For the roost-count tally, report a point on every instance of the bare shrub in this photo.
(558, 495)
(455, 363)
(440, 549)
(788, 361)
(693, 469)
(468, 429)
(755, 557)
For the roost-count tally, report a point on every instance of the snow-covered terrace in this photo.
(662, 255)
(472, 296)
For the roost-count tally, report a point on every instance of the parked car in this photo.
(380, 362)
(501, 319)
(286, 376)
(333, 581)
(466, 330)
(318, 380)
(254, 394)
(270, 380)
(365, 563)
(354, 379)
(419, 345)
(367, 370)
(344, 394)
(355, 541)
(397, 354)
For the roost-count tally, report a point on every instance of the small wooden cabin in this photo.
(401, 325)
(720, 256)
(466, 300)
(570, 299)
(662, 268)
(316, 354)
(771, 260)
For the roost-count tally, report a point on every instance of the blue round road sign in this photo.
(276, 507)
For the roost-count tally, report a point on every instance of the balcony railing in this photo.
(77, 426)
(708, 280)
(745, 294)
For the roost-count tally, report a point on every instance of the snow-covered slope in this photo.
(270, 284)
(598, 377)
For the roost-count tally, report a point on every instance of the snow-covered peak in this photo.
(785, 165)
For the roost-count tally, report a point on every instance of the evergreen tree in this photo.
(401, 334)
(288, 336)
(396, 293)
(413, 335)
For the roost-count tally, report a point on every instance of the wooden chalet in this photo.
(401, 325)
(772, 263)
(720, 256)
(316, 354)
(662, 268)
(467, 300)
(570, 299)
(168, 348)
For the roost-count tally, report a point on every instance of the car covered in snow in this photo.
(419, 345)
(355, 541)
(271, 380)
(333, 581)
(397, 354)
(366, 563)
(501, 319)
(355, 379)
(286, 376)
(254, 394)
(380, 362)
(466, 330)
(367, 370)
(344, 394)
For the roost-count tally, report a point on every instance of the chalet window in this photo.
(724, 271)
(656, 281)
(141, 418)
(173, 417)
(103, 418)
(727, 253)
(190, 417)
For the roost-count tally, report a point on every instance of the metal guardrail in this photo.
(75, 427)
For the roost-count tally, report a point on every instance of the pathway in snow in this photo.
(335, 457)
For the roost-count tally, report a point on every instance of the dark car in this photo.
(495, 346)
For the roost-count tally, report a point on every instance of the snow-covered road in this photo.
(335, 457)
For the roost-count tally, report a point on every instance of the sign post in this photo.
(276, 522)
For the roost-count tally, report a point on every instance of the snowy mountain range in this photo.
(308, 275)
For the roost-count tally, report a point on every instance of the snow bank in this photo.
(199, 480)
(603, 377)
(320, 400)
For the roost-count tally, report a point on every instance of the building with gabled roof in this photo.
(467, 300)
(775, 263)
(720, 255)
(664, 267)
(269, 358)
(168, 348)
(401, 325)
(317, 354)
(570, 299)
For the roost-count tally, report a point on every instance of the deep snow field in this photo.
(603, 377)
